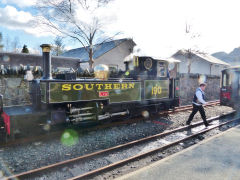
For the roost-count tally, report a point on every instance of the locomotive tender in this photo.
(66, 99)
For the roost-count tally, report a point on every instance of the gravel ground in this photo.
(130, 167)
(181, 117)
(73, 144)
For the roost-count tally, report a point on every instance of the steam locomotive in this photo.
(230, 87)
(146, 85)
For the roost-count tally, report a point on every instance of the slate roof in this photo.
(99, 49)
(204, 56)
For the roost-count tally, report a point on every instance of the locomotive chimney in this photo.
(47, 73)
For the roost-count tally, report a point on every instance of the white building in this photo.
(111, 53)
(199, 63)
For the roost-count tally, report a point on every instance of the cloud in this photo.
(20, 3)
(68, 47)
(11, 18)
(158, 27)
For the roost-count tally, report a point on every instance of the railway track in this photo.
(189, 107)
(105, 160)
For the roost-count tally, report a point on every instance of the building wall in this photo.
(15, 59)
(189, 83)
(199, 66)
(217, 68)
(14, 88)
(116, 56)
(15, 91)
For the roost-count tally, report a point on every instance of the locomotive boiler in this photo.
(147, 86)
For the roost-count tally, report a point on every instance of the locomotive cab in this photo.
(148, 68)
(145, 67)
(158, 75)
(152, 68)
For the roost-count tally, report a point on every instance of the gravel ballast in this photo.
(72, 144)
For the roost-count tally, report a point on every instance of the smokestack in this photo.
(47, 73)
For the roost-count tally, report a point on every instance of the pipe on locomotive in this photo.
(46, 48)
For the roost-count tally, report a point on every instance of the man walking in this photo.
(198, 101)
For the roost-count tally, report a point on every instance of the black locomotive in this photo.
(147, 87)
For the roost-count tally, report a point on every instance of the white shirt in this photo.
(199, 97)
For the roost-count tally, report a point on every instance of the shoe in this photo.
(206, 125)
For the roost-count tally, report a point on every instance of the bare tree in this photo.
(58, 46)
(190, 59)
(7, 43)
(189, 52)
(15, 44)
(36, 49)
(1, 45)
(77, 19)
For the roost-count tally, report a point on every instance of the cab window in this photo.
(161, 69)
(227, 79)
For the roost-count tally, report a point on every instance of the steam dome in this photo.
(101, 71)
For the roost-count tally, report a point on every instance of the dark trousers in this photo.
(194, 111)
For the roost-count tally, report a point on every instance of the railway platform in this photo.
(217, 158)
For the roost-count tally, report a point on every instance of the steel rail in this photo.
(115, 148)
(210, 103)
(189, 107)
(128, 160)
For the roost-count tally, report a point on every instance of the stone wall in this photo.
(189, 83)
(15, 91)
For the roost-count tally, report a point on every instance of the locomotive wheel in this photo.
(3, 134)
(106, 121)
(6, 137)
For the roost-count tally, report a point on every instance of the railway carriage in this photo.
(147, 85)
(230, 87)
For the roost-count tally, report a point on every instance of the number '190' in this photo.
(156, 90)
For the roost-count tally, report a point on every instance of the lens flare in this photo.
(47, 127)
(145, 114)
(69, 137)
(6, 58)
